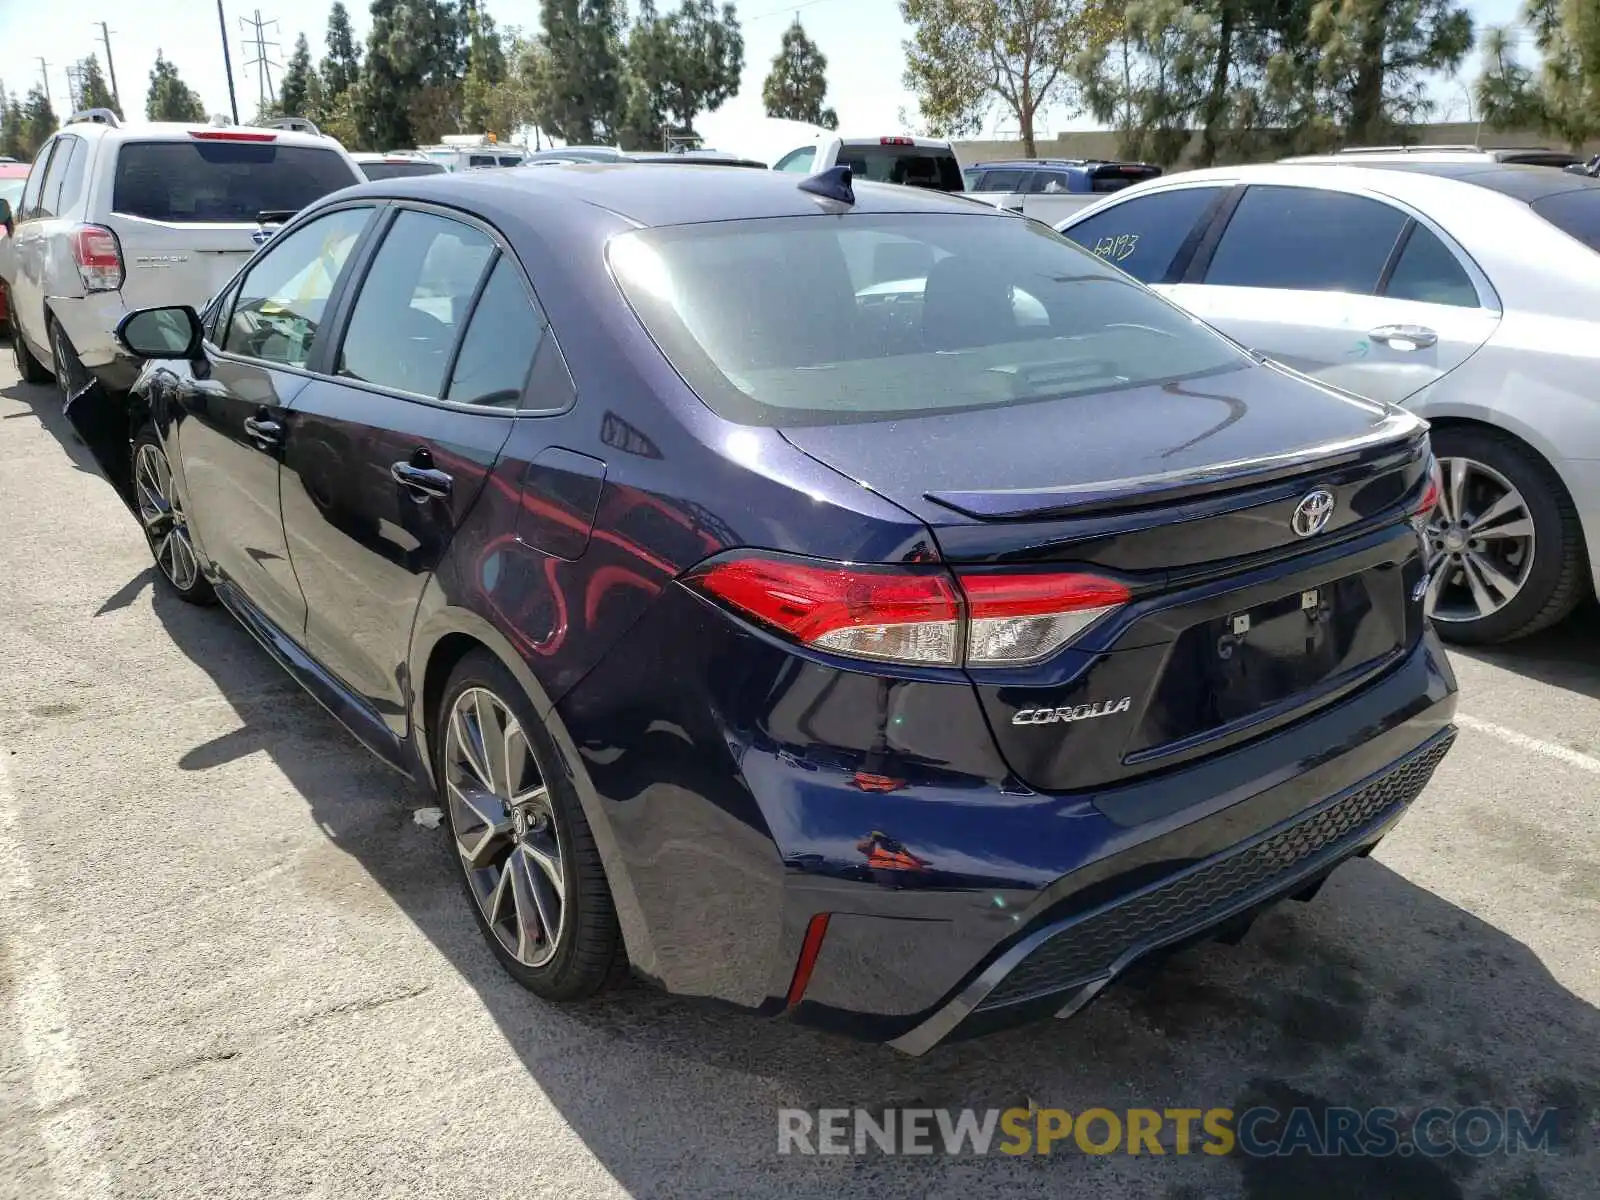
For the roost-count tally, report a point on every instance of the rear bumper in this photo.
(90, 322)
(1059, 967)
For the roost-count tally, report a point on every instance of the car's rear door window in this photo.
(35, 184)
(413, 302)
(1306, 239)
(201, 180)
(1142, 236)
(814, 320)
(1049, 183)
(282, 299)
(64, 182)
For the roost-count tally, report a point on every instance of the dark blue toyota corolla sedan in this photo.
(859, 605)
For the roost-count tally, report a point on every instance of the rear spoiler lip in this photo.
(1399, 435)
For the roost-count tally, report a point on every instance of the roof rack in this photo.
(293, 125)
(1408, 149)
(95, 116)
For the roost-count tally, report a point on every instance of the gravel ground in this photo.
(232, 965)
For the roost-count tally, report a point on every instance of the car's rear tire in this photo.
(166, 525)
(519, 836)
(29, 368)
(1526, 568)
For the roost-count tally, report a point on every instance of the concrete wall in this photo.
(1100, 143)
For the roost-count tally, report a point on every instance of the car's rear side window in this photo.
(222, 181)
(502, 339)
(1575, 213)
(927, 167)
(821, 320)
(1429, 273)
(1306, 239)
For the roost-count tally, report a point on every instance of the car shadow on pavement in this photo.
(1567, 655)
(1378, 992)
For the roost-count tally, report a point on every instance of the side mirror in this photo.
(161, 333)
(7, 217)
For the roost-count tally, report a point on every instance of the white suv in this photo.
(119, 216)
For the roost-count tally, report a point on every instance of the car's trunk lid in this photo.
(1241, 619)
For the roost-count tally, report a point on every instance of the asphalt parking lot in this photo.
(232, 965)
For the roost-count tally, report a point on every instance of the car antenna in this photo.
(832, 184)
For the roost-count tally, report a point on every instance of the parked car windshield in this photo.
(822, 320)
(1575, 213)
(221, 180)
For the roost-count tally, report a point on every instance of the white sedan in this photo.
(1468, 291)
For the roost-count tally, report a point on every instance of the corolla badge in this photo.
(1312, 514)
(1073, 712)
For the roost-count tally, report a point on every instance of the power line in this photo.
(781, 10)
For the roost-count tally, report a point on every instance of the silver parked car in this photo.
(1469, 291)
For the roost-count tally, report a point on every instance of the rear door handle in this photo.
(424, 482)
(264, 429)
(1404, 337)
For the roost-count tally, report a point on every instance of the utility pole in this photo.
(111, 68)
(227, 62)
(261, 61)
(44, 73)
(74, 87)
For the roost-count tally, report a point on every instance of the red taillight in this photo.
(894, 613)
(897, 141)
(99, 258)
(816, 930)
(229, 135)
(913, 614)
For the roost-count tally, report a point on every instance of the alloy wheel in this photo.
(162, 514)
(1480, 543)
(504, 826)
(65, 384)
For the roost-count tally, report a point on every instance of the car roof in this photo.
(1521, 181)
(178, 131)
(654, 194)
(1421, 178)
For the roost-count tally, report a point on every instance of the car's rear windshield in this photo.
(1113, 177)
(828, 320)
(222, 181)
(399, 170)
(920, 166)
(1575, 213)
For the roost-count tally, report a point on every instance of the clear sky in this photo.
(862, 39)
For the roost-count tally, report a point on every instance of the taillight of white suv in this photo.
(99, 258)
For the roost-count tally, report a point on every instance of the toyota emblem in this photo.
(1312, 514)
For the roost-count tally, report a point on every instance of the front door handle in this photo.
(264, 430)
(1404, 337)
(423, 482)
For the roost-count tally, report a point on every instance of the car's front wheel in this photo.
(519, 835)
(1505, 547)
(166, 525)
